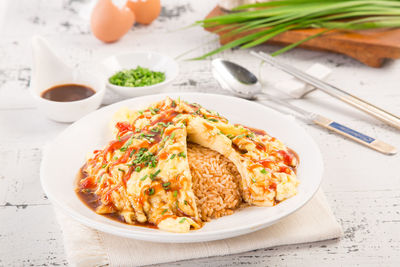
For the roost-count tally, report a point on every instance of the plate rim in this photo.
(170, 237)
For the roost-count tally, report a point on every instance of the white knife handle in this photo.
(356, 136)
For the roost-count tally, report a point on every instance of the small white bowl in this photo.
(151, 60)
(48, 70)
(74, 110)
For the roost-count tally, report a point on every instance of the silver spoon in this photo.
(245, 84)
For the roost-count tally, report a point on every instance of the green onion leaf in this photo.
(154, 175)
(266, 20)
(155, 130)
(151, 191)
(166, 185)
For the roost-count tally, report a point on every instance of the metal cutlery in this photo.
(363, 105)
(245, 84)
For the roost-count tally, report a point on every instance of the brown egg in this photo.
(109, 23)
(145, 10)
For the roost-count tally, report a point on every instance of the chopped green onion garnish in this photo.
(127, 144)
(152, 164)
(154, 175)
(137, 169)
(143, 178)
(182, 154)
(137, 77)
(172, 156)
(163, 124)
(166, 185)
(183, 219)
(175, 193)
(164, 211)
(151, 191)
(251, 135)
(263, 171)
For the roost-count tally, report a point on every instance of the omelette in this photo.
(143, 174)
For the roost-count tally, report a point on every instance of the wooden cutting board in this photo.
(370, 47)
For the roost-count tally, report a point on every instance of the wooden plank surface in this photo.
(362, 186)
(370, 47)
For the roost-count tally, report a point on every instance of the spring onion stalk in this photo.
(258, 23)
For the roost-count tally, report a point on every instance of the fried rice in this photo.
(215, 182)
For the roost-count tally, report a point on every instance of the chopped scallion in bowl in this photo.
(137, 77)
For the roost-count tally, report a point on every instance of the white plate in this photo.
(151, 60)
(63, 158)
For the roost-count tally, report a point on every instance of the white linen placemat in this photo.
(88, 247)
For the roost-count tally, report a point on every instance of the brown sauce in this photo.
(256, 131)
(93, 201)
(68, 92)
(241, 151)
(294, 154)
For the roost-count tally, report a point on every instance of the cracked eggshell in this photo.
(146, 11)
(109, 23)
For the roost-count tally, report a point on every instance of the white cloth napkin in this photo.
(297, 88)
(88, 247)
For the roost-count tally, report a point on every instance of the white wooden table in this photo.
(362, 186)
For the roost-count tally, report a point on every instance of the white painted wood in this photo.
(362, 186)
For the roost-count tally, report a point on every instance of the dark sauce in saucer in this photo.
(68, 92)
